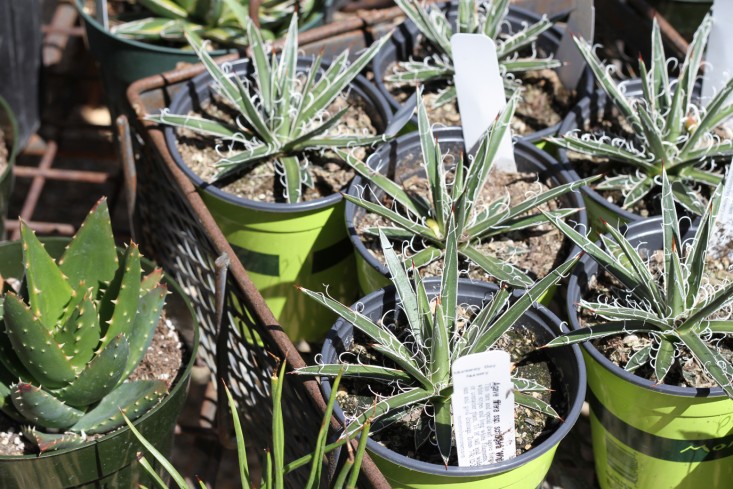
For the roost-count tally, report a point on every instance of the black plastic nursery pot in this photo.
(392, 159)
(11, 138)
(407, 35)
(648, 435)
(109, 462)
(594, 108)
(281, 244)
(527, 470)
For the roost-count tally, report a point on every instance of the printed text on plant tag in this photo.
(483, 408)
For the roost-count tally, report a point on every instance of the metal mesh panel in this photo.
(170, 232)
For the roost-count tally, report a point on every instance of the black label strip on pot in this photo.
(686, 451)
(268, 264)
(331, 255)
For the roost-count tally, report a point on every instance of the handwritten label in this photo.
(719, 54)
(580, 24)
(480, 90)
(483, 408)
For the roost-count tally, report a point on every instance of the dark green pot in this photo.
(10, 129)
(122, 61)
(111, 461)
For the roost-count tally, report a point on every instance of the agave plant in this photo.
(670, 131)
(474, 16)
(675, 310)
(416, 219)
(275, 468)
(438, 333)
(281, 116)
(216, 20)
(73, 334)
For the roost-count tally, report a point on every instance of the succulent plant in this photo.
(679, 309)
(671, 131)
(281, 116)
(474, 16)
(275, 468)
(73, 334)
(425, 223)
(438, 331)
(215, 20)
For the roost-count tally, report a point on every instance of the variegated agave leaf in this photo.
(219, 21)
(77, 331)
(679, 310)
(283, 113)
(670, 129)
(418, 220)
(439, 333)
(474, 16)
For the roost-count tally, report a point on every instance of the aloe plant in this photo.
(474, 16)
(274, 464)
(676, 310)
(670, 130)
(73, 334)
(216, 20)
(417, 220)
(439, 331)
(281, 116)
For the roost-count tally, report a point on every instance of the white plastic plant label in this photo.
(719, 54)
(581, 23)
(480, 90)
(722, 233)
(483, 408)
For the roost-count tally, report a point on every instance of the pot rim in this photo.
(539, 314)
(181, 101)
(521, 148)
(587, 266)
(181, 383)
(80, 7)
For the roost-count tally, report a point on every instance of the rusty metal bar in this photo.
(55, 41)
(668, 31)
(65, 175)
(43, 227)
(34, 193)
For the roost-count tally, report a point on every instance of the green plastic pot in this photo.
(402, 156)
(109, 462)
(10, 129)
(283, 245)
(647, 435)
(526, 471)
(122, 61)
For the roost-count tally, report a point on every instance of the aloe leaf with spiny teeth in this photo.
(474, 16)
(415, 219)
(283, 118)
(675, 310)
(68, 351)
(670, 129)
